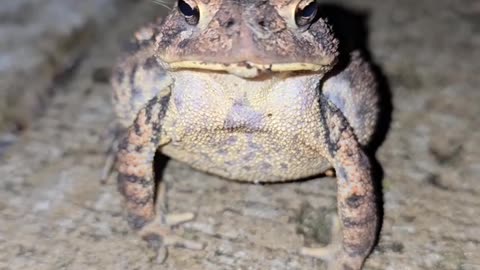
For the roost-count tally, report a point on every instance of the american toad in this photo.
(245, 90)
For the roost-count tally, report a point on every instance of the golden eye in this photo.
(191, 13)
(306, 14)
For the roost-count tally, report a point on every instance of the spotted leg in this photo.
(137, 184)
(356, 198)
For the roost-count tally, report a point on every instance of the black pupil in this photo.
(186, 9)
(309, 10)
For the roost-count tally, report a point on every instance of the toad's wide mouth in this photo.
(247, 69)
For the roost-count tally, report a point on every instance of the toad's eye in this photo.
(306, 14)
(191, 13)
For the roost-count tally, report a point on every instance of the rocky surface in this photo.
(42, 40)
(55, 214)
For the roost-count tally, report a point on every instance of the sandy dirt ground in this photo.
(55, 214)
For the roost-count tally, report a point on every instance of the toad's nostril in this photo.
(230, 23)
(261, 23)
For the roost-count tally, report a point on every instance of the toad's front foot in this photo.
(160, 235)
(334, 254)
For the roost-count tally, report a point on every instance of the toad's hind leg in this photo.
(354, 91)
(136, 178)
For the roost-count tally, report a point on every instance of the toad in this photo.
(247, 90)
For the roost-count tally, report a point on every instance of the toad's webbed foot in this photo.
(160, 235)
(333, 254)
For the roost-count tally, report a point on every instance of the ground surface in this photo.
(54, 213)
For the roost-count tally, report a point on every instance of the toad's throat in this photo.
(247, 69)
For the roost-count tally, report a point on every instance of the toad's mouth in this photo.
(247, 69)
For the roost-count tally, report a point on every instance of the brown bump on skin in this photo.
(145, 33)
(137, 170)
(358, 221)
(140, 199)
(126, 159)
(137, 194)
(354, 201)
(132, 165)
(150, 63)
(137, 140)
(282, 3)
(145, 134)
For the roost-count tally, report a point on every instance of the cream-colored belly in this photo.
(245, 130)
(258, 157)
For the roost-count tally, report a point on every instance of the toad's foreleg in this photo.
(135, 161)
(136, 177)
(136, 79)
(356, 198)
